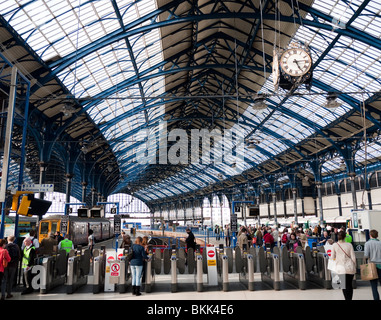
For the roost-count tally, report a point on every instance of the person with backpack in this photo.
(10, 271)
(285, 237)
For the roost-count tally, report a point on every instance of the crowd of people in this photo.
(11, 254)
(338, 240)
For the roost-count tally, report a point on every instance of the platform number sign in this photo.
(117, 224)
(113, 210)
(64, 224)
(233, 223)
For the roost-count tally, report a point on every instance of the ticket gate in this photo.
(150, 274)
(54, 274)
(173, 261)
(269, 267)
(294, 268)
(246, 266)
(317, 266)
(199, 270)
(223, 267)
(99, 266)
(77, 269)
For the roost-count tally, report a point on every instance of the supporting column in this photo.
(43, 166)
(352, 176)
(93, 191)
(275, 212)
(318, 186)
(369, 199)
(340, 205)
(69, 177)
(84, 186)
(295, 205)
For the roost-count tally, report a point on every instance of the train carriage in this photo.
(78, 228)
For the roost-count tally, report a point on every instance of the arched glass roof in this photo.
(132, 65)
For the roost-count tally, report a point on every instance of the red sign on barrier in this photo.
(211, 253)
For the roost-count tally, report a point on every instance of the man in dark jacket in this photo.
(10, 271)
(190, 240)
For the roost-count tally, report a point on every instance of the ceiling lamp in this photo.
(67, 110)
(342, 165)
(259, 102)
(331, 101)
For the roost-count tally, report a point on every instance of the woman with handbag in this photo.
(136, 264)
(344, 256)
(372, 252)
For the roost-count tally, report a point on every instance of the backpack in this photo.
(13, 252)
(284, 238)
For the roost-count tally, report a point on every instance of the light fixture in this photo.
(259, 102)
(67, 110)
(342, 165)
(331, 101)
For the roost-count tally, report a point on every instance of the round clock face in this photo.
(295, 62)
(275, 71)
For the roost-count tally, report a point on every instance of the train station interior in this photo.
(156, 116)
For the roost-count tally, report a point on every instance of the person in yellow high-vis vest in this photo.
(28, 260)
(66, 244)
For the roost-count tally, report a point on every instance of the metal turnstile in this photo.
(246, 272)
(317, 266)
(222, 268)
(270, 267)
(99, 265)
(294, 268)
(77, 270)
(199, 270)
(150, 274)
(54, 274)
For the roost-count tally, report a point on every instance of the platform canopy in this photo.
(109, 75)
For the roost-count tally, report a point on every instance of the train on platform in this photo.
(78, 228)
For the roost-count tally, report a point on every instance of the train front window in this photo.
(44, 228)
(54, 227)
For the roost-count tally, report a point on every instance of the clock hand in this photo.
(297, 63)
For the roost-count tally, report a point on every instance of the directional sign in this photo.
(49, 187)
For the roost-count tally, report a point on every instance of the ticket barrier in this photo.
(294, 268)
(270, 266)
(77, 269)
(124, 275)
(317, 266)
(173, 265)
(199, 270)
(99, 266)
(150, 274)
(55, 268)
(223, 267)
(246, 267)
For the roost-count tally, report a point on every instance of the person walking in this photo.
(10, 271)
(136, 263)
(372, 252)
(344, 256)
(4, 261)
